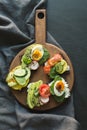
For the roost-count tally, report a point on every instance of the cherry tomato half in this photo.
(44, 90)
(47, 69)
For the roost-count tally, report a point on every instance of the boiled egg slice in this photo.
(37, 52)
(60, 87)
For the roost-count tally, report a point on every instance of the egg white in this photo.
(37, 47)
(57, 93)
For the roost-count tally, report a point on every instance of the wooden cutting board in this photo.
(40, 38)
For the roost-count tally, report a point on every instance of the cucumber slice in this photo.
(27, 76)
(20, 80)
(20, 72)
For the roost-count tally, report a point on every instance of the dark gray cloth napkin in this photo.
(17, 32)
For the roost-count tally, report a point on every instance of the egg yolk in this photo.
(37, 55)
(60, 86)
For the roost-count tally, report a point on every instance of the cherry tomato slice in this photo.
(44, 90)
(47, 69)
(52, 61)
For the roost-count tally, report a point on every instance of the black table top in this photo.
(67, 22)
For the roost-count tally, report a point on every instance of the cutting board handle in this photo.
(40, 26)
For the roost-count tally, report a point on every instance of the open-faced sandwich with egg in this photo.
(59, 89)
(34, 56)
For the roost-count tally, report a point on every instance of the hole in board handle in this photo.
(41, 15)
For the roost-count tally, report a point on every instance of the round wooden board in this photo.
(21, 96)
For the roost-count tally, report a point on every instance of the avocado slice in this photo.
(32, 98)
(59, 67)
(29, 99)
